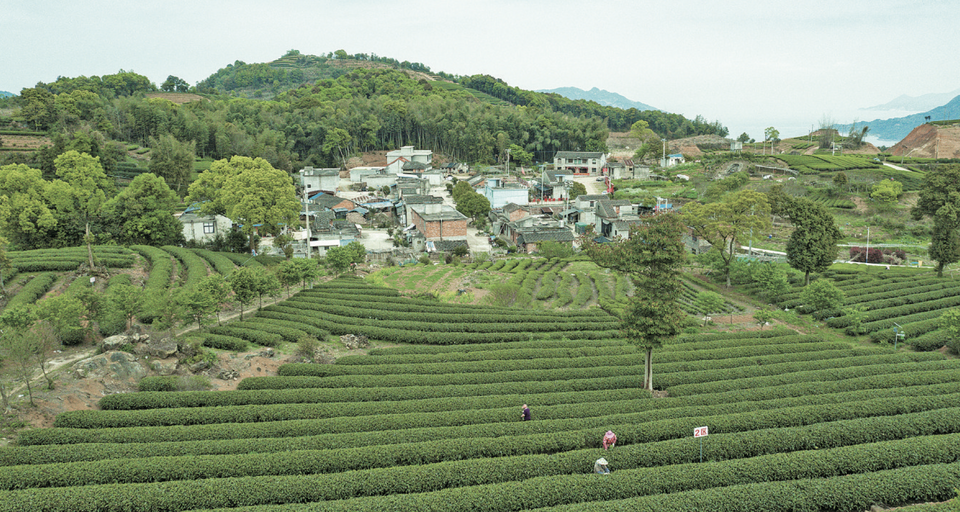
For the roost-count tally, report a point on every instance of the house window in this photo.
(209, 228)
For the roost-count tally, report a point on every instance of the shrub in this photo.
(307, 347)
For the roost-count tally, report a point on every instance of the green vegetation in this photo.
(409, 417)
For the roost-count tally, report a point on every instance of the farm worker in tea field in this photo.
(600, 466)
(609, 439)
(525, 415)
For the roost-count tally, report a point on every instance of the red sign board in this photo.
(700, 432)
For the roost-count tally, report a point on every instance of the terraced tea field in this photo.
(795, 422)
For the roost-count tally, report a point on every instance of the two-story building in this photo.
(203, 228)
(580, 162)
(407, 154)
(552, 185)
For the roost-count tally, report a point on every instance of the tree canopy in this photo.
(729, 221)
(653, 257)
(940, 200)
(250, 192)
(812, 246)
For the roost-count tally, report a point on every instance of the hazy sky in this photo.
(745, 63)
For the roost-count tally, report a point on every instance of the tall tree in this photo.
(78, 197)
(771, 134)
(652, 257)
(26, 218)
(267, 283)
(821, 295)
(142, 214)
(288, 274)
(338, 259)
(172, 160)
(726, 222)
(249, 192)
(127, 301)
(940, 200)
(174, 84)
(63, 315)
(5, 265)
(812, 246)
(473, 205)
(840, 181)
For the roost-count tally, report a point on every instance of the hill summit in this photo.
(930, 141)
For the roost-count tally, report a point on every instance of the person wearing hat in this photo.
(525, 415)
(601, 466)
(609, 439)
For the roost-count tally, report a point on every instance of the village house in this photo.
(674, 159)
(422, 201)
(357, 174)
(319, 179)
(504, 222)
(500, 194)
(339, 205)
(455, 168)
(411, 186)
(528, 239)
(552, 185)
(438, 227)
(407, 154)
(201, 228)
(580, 162)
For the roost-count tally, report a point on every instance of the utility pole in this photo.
(306, 209)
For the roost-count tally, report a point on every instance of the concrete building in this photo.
(580, 162)
(203, 228)
(358, 173)
(501, 194)
(439, 222)
(396, 158)
(319, 179)
(675, 159)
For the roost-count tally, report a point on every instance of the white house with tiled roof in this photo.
(580, 162)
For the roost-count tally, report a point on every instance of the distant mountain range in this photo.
(897, 128)
(606, 98)
(918, 103)
(5, 94)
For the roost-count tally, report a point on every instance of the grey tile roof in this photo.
(538, 234)
(449, 245)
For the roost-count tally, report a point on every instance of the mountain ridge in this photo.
(606, 98)
(899, 127)
(917, 103)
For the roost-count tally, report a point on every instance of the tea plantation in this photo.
(795, 422)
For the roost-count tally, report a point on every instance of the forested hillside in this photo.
(321, 110)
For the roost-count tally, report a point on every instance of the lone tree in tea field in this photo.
(652, 257)
(812, 246)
